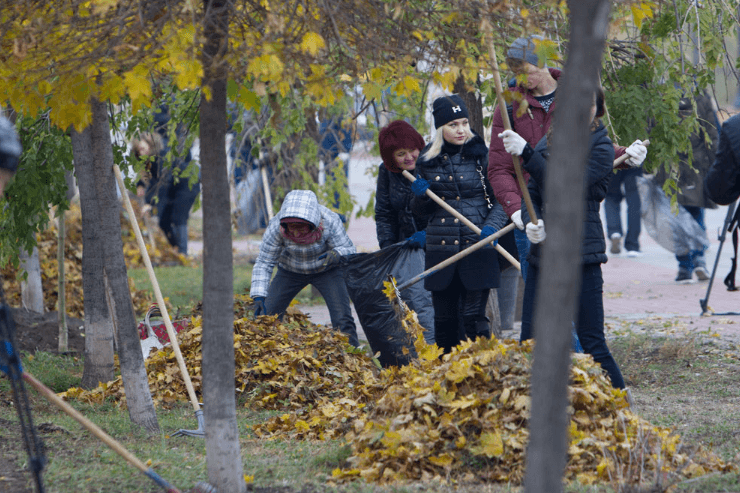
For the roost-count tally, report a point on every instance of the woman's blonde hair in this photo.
(439, 139)
(152, 139)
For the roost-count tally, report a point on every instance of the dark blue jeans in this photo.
(612, 204)
(330, 283)
(459, 313)
(695, 258)
(590, 324)
(522, 248)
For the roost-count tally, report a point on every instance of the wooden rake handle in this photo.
(98, 432)
(467, 222)
(157, 292)
(459, 255)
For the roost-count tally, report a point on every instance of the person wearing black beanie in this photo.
(454, 166)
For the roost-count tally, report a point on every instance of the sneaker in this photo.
(701, 273)
(684, 277)
(633, 253)
(616, 248)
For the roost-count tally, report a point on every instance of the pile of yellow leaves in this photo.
(292, 364)
(47, 245)
(464, 417)
(459, 417)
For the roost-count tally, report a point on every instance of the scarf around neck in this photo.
(312, 236)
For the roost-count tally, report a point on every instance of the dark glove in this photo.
(488, 231)
(417, 240)
(259, 306)
(330, 258)
(419, 187)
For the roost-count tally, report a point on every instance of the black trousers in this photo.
(459, 313)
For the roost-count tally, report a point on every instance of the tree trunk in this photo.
(223, 456)
(474, 104)
(98, 325)
(133, 373)
(32, 292)
(63, 344)
(561, 259)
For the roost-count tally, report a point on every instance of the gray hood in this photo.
(302, 204)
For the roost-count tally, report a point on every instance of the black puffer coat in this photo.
(598, 173)
(691, 178)
(722, 183)
(459, 176)
(394, 220)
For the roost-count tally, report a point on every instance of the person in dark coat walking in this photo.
(722, 183)
(690, 181)
(454, 166)
(10, 152)
(590, 323)
(167, 190)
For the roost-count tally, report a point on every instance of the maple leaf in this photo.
(491, 445)
(312, 43)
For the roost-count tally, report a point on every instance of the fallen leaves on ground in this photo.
(48, 243)
(458, 417)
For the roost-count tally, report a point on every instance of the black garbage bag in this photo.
(364, 274)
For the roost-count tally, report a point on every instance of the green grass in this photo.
(184, 285)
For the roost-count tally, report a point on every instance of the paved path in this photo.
(635, 288)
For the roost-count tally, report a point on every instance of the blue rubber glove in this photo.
(419, 187)
(488, 231)
(259, 306)
(330, 259)
(417, 240)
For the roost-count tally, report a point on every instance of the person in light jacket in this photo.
(306, 241)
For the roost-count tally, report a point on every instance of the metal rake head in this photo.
(200, 432)
(397, 303)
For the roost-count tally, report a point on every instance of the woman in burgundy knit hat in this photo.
(400, 145)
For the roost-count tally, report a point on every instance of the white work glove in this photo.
(536, 232)
(637, 153)
(513, 142)
(516, 218)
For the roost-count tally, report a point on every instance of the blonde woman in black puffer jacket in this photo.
(454, 166)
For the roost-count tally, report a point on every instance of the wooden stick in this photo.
(507, 126)
(463, 219)
(157, 292)
(268, 196)
(625, 156)
(95, 430)
(464, 253)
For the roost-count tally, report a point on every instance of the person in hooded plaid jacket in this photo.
(306, 241)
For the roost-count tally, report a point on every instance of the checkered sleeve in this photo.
(270, 250)
(336, 236)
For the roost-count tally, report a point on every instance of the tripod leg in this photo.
(704, 303)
